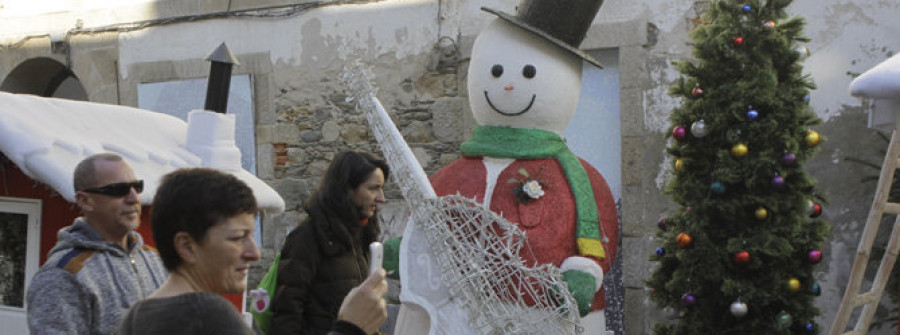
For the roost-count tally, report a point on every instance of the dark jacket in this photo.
(321, 261)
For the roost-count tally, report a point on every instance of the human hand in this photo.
(364, 306)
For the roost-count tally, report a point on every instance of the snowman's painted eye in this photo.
(497, 70)
(528, 71)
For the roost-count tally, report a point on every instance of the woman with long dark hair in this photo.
(327, 254)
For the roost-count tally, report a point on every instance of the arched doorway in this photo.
(44, 77)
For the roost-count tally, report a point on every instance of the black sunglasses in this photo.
(117, 189)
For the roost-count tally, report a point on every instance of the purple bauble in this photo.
(789, 159)
(815, 256)
(688, 299)
(778, 182)
(679, 133)
(661, 224)
(660, 252)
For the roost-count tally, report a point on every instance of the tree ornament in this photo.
(783, 320)
(738, 41)
(815, 290)
(697, 91)
(739, 150)
(815, 256)
(806, 98)
(742, 257)
(688, 300)
(679, 133)
(684, 240)
(752, 114)
(679, 164)
(778, 183)
(814, 209)
(660, 252)
(794, 285)
(661, 224)
(698, 128)
(746, 8)
(738, 308)
(769, 24)
(810, 327)
(812, 138)
(761, 213)
(803, 52)
(717, 188)
(789, 159)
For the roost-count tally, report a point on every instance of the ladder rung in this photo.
(864, 299)
(892, 208)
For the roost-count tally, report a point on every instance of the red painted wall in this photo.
(57, 213)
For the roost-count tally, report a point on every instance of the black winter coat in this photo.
(321, 261)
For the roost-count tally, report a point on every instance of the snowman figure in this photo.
(524, 79)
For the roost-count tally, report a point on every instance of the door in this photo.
(20, 232)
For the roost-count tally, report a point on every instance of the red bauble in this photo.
(815, 256)
(738, 41)
(697, 91)
(742, 257)
(815, 210)
(679, 133)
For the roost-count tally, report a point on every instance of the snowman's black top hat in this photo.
(563, 22)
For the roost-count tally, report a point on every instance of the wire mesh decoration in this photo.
(478, 251)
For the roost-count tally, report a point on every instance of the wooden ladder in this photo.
(880, 206)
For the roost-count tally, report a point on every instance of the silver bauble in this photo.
(803, 51)
(698, 129)
(738, 308)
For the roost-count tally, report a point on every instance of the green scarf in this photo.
(507, 142)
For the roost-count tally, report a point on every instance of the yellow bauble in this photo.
(812, 138)
(794, 285)
(739, 150)
(761, 213)
(679, 164)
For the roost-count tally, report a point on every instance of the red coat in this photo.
(549, 222)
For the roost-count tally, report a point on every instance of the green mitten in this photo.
(391, 261)
(583, 286)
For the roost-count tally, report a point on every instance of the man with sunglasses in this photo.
(100, 265)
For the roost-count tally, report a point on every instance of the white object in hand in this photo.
(376, 256)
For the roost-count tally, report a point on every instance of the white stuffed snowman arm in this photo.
(584, 264)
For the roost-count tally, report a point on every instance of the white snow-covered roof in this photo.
(881, 81)
(47, 137)
(881, 84)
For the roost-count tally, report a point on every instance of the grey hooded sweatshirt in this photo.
(87, 284)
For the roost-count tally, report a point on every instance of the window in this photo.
(20, 233)
(178, 97)
(594, 133)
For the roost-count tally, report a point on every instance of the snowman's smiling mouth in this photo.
(486, 97)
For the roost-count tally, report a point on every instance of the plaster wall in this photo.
(419, 51)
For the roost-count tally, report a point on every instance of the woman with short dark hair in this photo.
(203, 223)
(327, 254)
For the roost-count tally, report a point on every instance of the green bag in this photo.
(260, 297)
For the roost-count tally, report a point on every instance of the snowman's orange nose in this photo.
(509, 88)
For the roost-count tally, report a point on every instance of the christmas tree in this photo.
(738, 255)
